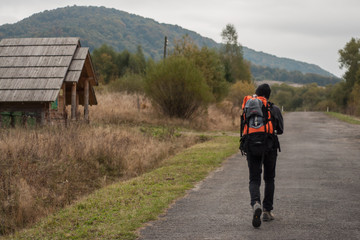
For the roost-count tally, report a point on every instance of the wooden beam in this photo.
(42, 117)
(77, 105)
(20, 106)
(38, 118)
(73, 101)
(86, 100)
(12, 119)
(24, 119)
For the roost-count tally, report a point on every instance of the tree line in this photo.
(190, 78)
(183, 83)
(267, 73)
(343, 96)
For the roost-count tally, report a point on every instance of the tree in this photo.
(238, 91)
(312, 96)
(131, 63)
(111, 65)
(104, 63)
(236, 96)
(354, 100)
(208, 62)
(350, 59)
(177, 87)
(236, 68)
(137, 62)
(288, 97)
(185, 47)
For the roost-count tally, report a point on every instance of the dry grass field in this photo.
(45, 169)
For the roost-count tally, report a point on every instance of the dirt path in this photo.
(317, 192)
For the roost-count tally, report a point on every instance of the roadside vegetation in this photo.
(345, 118)
(45, 169)
(151, 137)
(225, 68)
(342, 97)
(118, 210)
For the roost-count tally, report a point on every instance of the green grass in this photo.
(119, 210)
(345, 118)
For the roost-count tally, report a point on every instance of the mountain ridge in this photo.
(273, 61)
(122, 30)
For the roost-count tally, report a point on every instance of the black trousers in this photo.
(255, 170)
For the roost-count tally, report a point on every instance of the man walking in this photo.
(258, 158)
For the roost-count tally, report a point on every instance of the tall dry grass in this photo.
(42, 170)
(120, 108)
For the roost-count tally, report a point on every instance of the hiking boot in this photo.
(256, 222)
(267, 216)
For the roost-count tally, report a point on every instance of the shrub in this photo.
(236, 95)
(130, 83)
(209, 63)
(177, 87)
(238, 91)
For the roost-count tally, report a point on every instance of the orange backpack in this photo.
(256, 115)
(256, 126)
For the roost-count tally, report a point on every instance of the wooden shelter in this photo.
(39, 77)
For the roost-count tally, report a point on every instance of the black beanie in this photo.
(263, 90)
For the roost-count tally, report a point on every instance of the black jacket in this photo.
(277, 119)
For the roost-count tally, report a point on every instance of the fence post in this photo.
(165, 45)
(86, 100)
(12, 119)
(73, 102)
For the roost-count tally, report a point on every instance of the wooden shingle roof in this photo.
(34, 69)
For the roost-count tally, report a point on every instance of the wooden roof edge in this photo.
(94, 95)
(30, 89)
(92, 68)
(87, 59)
(79, 53)
(50, 41)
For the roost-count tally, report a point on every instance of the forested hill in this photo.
(268, 60)
(99, 25)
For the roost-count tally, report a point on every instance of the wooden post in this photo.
(165, 44)
(138, 102)
(77, 106)
(12, 119)
(24, 119)
(73, 101)
(38, 118)
(42, 117)
(86, 100)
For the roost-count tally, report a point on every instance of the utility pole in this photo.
(165, 44)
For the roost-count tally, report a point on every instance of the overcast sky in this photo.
(306, 30)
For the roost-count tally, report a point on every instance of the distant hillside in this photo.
(268, 60)
(121, 30)
(98, 25)
(263, 73)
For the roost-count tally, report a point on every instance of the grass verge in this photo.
(117, 211)
(343, 117)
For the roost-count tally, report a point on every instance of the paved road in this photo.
(317, 192)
